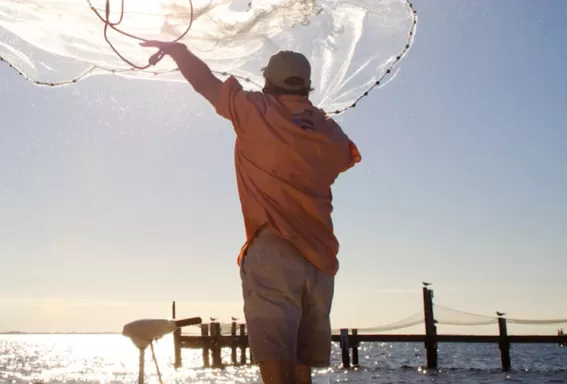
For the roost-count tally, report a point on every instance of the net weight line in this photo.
(156, 57)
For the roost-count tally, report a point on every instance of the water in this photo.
(114, 359)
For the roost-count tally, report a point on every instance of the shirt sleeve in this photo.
(350, 153)
(234, 104)
(353, 156)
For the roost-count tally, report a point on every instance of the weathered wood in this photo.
(213, 341)
(216, 347)
(355, 344)
(176, 336)
(141, 368)
(504, 344)
(206, 349)
(198, 342)
(430, 329)
(243, 345)
(233, 347)
(347, 341)
(345, 349)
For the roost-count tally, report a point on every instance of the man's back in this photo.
(288, 154)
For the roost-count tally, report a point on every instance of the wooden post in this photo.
(176, 340)
(430, 329)
(504, 344)
(250, 352)
(141, 367)
(355, 344)
(205, 333)
(345, 348)
(242, 346)
(216, 348)
(233, 346)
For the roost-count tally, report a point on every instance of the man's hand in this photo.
(197, 73)
(165, 47)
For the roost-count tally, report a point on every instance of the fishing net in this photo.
(407, 322)
(354, 45)
(410, 321)
(449, 316)
(536, 322)
(444, 316)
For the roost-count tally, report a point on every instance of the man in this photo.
(287, 155)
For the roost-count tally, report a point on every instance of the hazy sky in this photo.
(116, 197)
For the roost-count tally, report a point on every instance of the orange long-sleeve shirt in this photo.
(288, 153)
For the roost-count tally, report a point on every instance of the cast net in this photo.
(354, 45)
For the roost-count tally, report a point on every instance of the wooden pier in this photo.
(212, 341)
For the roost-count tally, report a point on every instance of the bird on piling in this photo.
(500, 313)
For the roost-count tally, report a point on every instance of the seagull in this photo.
(234, 318)
(500, 313)
(214, 319)
(426, 284)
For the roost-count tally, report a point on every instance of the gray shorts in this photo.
(287, 303)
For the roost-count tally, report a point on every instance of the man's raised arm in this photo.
(197, 73)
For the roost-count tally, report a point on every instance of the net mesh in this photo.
(536, 322)
(449, 316)
(443, 316)
(410, 321)
(353, 45)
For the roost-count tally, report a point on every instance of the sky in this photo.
(117, 197)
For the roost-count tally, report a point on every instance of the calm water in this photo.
(114, 359)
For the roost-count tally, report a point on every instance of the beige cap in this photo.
(286, 64)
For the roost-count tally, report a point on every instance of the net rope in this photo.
(155, 58)
(355, 46)
(450, 316)
(443, 316)
(536, 322)
(410, 321)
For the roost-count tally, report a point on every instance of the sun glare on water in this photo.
(104, 359)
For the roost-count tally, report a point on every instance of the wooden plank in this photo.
(212, 341)
(382, 338)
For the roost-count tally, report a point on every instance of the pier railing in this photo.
(216, 336)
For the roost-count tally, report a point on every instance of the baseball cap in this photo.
(285, 64)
